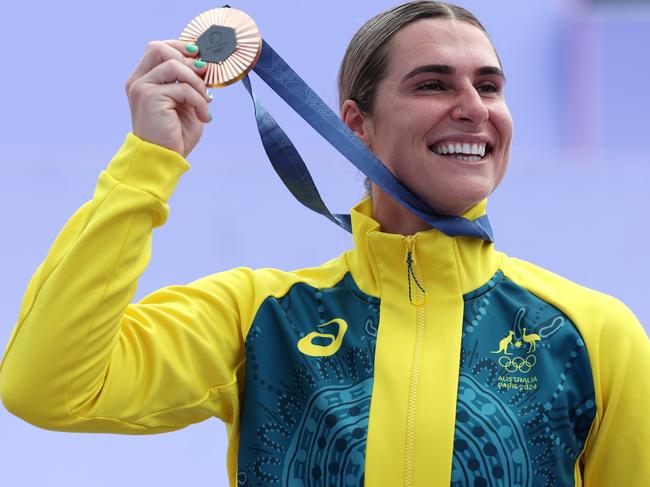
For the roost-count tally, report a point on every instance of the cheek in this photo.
(502, 121)
(505, 127)
(390, 133)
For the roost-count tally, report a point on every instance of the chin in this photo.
(457, 200)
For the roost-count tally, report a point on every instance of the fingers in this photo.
(159, 52)
(172, 71)
(184, 94)
(176, 79)
(189, 50)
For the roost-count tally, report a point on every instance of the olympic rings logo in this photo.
(518, 363)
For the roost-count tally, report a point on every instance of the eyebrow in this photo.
(446, 69)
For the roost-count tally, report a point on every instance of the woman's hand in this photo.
(168, 97)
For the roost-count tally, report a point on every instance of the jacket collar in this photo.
(379, 257)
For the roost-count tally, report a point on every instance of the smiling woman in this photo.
(437, 103)
(415, 358)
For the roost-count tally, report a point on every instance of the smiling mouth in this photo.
(462, 151)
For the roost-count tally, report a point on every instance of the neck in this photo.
(394, 218)
(379, 256)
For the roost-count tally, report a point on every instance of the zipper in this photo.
(414, 274)
(417, 297)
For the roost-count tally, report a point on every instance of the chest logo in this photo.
(518, 363)
(307, 346)
(517, 357)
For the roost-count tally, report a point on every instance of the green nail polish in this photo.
(191, 48)
(199, 64)
(210, 116)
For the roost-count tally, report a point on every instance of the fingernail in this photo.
(209, 95)
(191, 48)
(210, 116)
(198, 63)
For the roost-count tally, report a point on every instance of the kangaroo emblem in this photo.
(504, 342)
(530, 339)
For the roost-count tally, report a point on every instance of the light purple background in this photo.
(575, 199)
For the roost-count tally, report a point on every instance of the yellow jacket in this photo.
(417, 361)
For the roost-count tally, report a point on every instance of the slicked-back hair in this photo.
(365, 62)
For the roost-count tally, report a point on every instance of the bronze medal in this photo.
(229, 42)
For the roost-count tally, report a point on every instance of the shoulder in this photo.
(253, 286)
(615, 340)
(277, 282)
(592, 311)
(617, 345)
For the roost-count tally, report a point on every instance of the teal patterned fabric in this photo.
(525, 393)
(305, 419)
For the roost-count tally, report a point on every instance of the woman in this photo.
(413, 359)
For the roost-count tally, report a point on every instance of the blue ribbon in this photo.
(287, 162)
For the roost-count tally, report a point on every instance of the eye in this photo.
(431, 85)
(488, 87)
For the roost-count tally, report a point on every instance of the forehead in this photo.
(439, 41)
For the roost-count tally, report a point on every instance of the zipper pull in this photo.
(410, 262)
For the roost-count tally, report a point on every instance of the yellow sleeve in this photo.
(618, 451)
(82, 358)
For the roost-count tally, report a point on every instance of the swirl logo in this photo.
(307, 346)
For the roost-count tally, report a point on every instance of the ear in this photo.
(356, 120)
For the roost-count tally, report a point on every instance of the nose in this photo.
(470, 107)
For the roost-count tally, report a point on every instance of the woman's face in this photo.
(440, 120)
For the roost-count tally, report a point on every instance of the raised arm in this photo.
(81, 357)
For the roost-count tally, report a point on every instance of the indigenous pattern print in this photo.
(525, 393)
(309, 376)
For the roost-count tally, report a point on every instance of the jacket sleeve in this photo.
(82, 358)
(618, 452)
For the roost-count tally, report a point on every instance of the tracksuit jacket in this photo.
(418, 361)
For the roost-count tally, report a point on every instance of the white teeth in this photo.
(461, 148)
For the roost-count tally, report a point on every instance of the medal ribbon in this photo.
(293, 172)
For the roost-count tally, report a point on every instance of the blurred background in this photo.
(575, 199)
